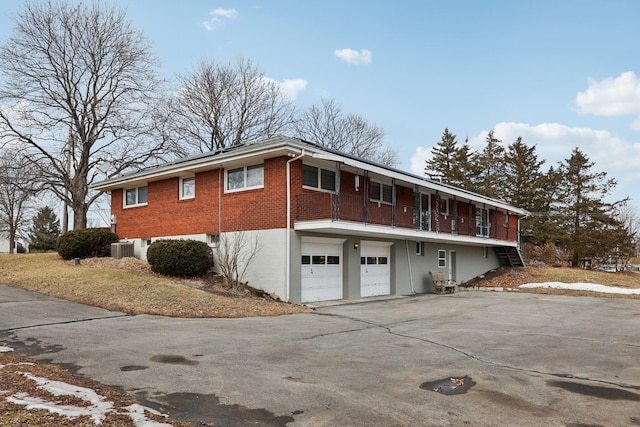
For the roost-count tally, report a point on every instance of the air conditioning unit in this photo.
(122, 250)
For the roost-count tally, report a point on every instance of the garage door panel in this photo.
(321, 272)
(375, 273)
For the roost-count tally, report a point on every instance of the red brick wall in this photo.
(166, 215)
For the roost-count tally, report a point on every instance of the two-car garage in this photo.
(323, 269)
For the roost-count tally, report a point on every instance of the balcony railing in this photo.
(345, 207)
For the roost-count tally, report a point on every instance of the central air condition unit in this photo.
(122, 250)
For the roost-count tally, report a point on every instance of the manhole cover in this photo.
(451, 385)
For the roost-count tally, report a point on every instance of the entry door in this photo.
(321, 272)
(452, 267)
(375, 271)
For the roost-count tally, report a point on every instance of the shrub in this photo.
(182, 258)
(90, 242)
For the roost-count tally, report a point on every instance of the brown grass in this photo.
(13, 382)
(510, 279)
(129, 286)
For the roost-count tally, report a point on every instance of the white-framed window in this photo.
(482, 222)
(380, 192)
(187, 188)
(135, 196)
(146, 241)
(318, 178)
(442, 258)
(485, 252)
(444, 205)
(420, 248)
(244, 178)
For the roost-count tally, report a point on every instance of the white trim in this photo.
(386, 232)
(375, 243)
(325, 240)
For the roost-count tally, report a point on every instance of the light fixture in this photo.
(355, 246)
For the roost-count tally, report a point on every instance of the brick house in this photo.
(331, 225)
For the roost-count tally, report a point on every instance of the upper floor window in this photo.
(187, 188)
(314, 177)
(381, 192)
(444, 206)
(245, 178)
(135, 196)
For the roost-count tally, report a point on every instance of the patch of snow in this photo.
(98, 409)
(5, 349)
(64, 410)
(582, 287)
(136, 412)
(98, 406)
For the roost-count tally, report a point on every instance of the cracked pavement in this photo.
(535, 359)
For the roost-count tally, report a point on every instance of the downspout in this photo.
(287, 273)
(409, 262)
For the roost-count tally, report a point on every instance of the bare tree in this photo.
(327, 125)
(17, 189)
(77, 89)
(234, 253)
(222, 105)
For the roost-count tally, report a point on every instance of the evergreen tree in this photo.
(527, 186)
(440, 166)
(465, 171)
(44, 231)
(589, 228)
(491, 165)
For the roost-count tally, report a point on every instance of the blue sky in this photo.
(561, 74)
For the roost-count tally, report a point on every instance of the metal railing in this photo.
(346, 207)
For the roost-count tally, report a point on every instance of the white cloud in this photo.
(554, 143)
(218, 17)
(353, 57)
(290, 87)
(618, 96)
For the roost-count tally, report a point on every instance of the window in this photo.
(146, 242)
(314, 177)
(213, 239)
(444, 206)
(485, 252)
(381, 192)
(482, 222)
(442, 258)
(135, 196)
(245, 177)
(187, 188)
(420, 248)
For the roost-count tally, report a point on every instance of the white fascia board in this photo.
(382, 232)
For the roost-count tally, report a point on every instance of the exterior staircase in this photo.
(508, 256)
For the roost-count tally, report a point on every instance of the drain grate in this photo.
(450, 385)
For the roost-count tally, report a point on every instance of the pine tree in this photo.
(491, 165)
(440, 166)
(527, 186)
(588, 222)
(44, 231)
(465, 172)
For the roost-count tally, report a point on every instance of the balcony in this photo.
(333, 207)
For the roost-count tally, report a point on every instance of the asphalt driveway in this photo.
(528, 359)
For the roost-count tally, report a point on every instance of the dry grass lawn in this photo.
(128, 285)
(510, 279)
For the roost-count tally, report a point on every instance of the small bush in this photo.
(182, 258)
(90, 242)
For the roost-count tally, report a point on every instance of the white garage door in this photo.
(375, 272)
(321, 272)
